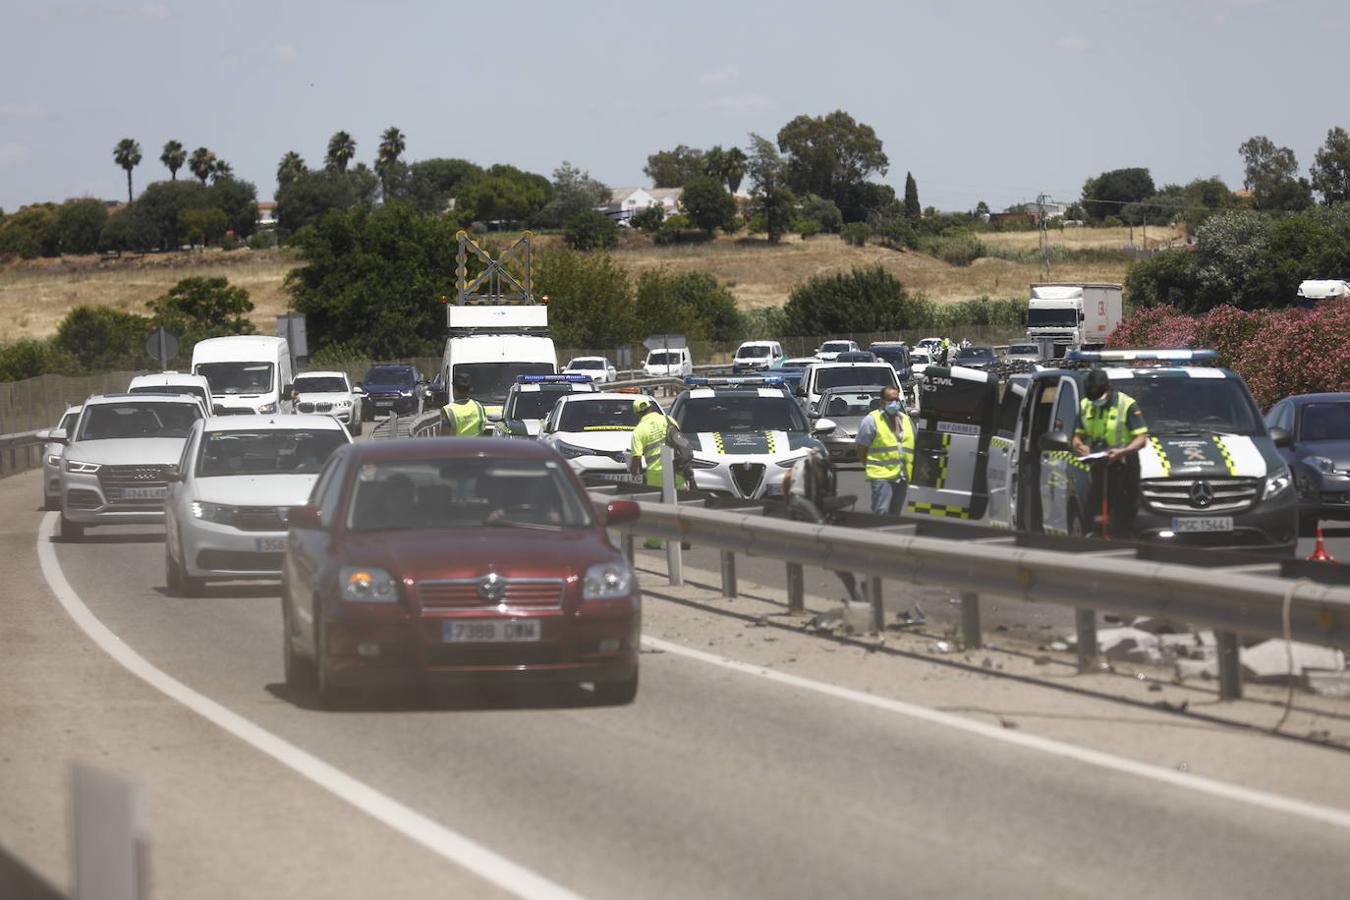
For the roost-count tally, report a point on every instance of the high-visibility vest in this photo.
(648, 438)
(885, 453)
(466, 417)
(1106, 424)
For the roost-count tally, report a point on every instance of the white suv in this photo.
(231, 492)
(329, 394)
(598, 367)
(115, 465)
(673, 363)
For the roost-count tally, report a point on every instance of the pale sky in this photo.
(992, 100)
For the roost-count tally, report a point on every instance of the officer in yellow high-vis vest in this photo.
(885, 446)
(648, 438)
(1109, 420)
(463, 416)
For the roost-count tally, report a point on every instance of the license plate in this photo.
(145, 493)
(773, 490)
(1202, 524)
(384, 402)
(270, 544)
(490, 631)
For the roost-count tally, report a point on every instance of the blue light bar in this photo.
(553, 379)
(706, 381)
(1143, 355)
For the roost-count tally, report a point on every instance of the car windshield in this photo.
(320, 384)
(795, 363)
(1023, 350)
(838, 404)
(920, 356)
(740, 412)
(586, 364)
(490, 382)
(399, 376)
(470, 492)
(979, 353)
(266, 452)
(120, 421)
(753, 351)
(1061, 317)
(896, 356)
(237, 377)
(855, 376)
(602, 414)
(836, 347)
(195, 390)
(1194, 405)
(1325, 422)
(664, 359)
(534, 404)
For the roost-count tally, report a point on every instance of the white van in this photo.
(249, 374)
(174, 383)
(674, 362)
(753, 356)
(494, 345)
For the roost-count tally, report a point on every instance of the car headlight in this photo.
(572, 451)
(267, 409)
(1321, 463)
(1277, 484)
(365, 584)
(85, 468)
(405, 393)
(212, 512)
(342, 404)
(607, 581)
(54, 459)
(704, 463)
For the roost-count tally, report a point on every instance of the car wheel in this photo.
(299, 671)
(331, 696)
(180, 583)
(51, 501)
(357, 427)
(617, 693)
(1076, 524)
(71, 531)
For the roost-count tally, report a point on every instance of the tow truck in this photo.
(996, 450)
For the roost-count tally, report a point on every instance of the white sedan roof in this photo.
(272, 423)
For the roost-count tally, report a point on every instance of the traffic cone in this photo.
(1320, 553)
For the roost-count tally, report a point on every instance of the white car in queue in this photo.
(231, 492)
(114, 470)
(51, 458)
(599, 368)
(175, 383)
(594, 432)
(746, 433)
(329, 394)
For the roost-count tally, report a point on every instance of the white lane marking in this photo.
(435, 837)
(1198, 783)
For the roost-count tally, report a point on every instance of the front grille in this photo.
(1175, 494)
(511, 654)
(239, 561)
(463, 593)
(747, 477)
(82, 499)
(117, 480)
(259, 518)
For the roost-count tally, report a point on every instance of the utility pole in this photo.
(1044, 244)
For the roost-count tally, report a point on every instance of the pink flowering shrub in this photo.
(1277, 352)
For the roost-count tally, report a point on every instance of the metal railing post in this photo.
(729, 587)
(878, 607)
(1230, 666)
(1086, 620)
(674, 553)
(630, 547)
(796, 588)
(970, 620)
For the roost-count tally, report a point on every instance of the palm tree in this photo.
(291, 167)
(341, 149)
(173, 158)
(221, 169)
(127, 154)
(202, 163)
(392, 145)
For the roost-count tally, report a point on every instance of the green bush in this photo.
(807, 228)
(694, 304)
(101, 338)
(648, 219)
(856, 234)
(590, 300)
(672, 230)
(864, 300)
(30, 358)
(981, 311)
(263, 240)
(591, 230)
(955, 247)
(765, 322)
(822, 211)
(337, 354)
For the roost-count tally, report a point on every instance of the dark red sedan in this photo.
(457, 561)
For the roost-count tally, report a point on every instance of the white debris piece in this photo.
(1129, 645)
(1269, 660)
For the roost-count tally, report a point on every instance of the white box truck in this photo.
(494, 344)
(1072, 316)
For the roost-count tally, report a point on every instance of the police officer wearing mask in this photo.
(885, 447)
(1109, 420)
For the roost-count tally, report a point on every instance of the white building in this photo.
(626, 202)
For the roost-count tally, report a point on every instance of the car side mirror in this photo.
(57, 436)
(217, 409)
(618, 512)
(494, 417)
(823, 426)
(44, 435)
(288, 390)
(358, 391)
(173, 474)
(1281, 438)
(1053, 440)
(304, 517)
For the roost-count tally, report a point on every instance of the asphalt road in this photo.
(713, 784)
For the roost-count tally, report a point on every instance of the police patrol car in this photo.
(746, 433)
(529, 400)
(1210, 475)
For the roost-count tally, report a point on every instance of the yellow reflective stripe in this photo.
(1227, 457)
(1162, 457)
(922, 508)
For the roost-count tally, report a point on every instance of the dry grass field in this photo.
(35, 295)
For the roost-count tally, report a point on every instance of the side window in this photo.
(332, 490)
(189, 450)
(1042, 411)
(1274, 418)
(1066, 407)
(1287, 418)
(1006, 425)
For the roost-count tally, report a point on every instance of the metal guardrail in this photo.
(20, 452)
(1090, 576)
